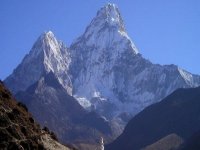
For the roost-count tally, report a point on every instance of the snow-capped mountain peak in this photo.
(46, 39)
(47, 55)
(107, 70)
(95, 55)
(48, 35)
(107, 29)
(110, 14)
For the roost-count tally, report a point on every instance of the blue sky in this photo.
(165, 32)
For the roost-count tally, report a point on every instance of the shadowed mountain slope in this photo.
(178, 113)
(53, 107)
(193, 143)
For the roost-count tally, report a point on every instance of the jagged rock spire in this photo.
(46, 55)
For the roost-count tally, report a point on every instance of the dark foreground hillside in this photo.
(18, 130)
(193, 143)
(179, 113)
(170, 142)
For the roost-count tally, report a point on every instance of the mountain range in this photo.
(101, 77)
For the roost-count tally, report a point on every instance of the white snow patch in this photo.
(187, 76)
(83, 102)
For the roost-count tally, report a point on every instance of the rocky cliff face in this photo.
(18, 130)
(53, 107)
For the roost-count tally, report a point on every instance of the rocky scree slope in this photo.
(18, 130)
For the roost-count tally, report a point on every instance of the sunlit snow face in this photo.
(109, 14)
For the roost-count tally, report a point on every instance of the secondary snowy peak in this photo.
(46, 42)
(47, 54)
(53, 52)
